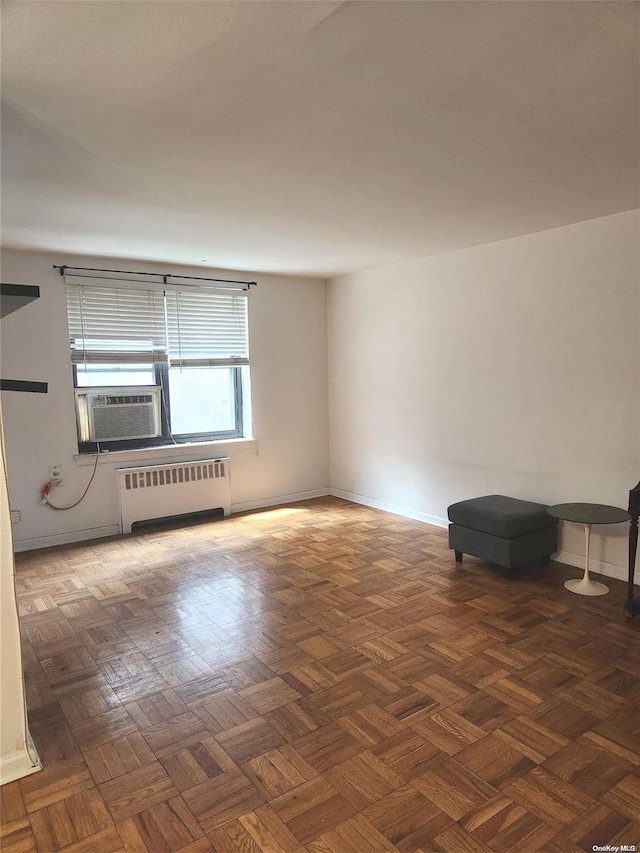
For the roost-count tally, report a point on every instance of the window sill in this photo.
(169, 451)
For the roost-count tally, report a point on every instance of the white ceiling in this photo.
(312, 137)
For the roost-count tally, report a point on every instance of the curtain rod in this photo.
(164, 276)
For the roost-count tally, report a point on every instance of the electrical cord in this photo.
(46, 489)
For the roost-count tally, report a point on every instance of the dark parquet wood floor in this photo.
(320, 678)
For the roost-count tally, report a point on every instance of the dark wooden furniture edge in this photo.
(24, 385)
(632, 605)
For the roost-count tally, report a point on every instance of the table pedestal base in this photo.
(585, 586)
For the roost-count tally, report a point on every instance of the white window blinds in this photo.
(118, 325)
(207, 328)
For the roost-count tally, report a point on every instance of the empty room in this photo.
(320, 361)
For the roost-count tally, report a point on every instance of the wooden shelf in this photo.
(12, 298)
(16, 296)
(24, 385)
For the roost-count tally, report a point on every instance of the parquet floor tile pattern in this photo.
(320, 677)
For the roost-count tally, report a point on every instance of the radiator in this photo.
(160, 491)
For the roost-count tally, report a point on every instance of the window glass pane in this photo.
(114, 374)
(202, 399)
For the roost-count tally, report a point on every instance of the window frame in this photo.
(168, 439)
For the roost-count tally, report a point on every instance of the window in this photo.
(187, 349)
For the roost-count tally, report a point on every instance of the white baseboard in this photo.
(114, 529)
(65, 538)
(600, 567)
(393, 508)
(262, 503)
(22, 762)
(597, 566)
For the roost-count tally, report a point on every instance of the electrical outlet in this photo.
(55, 475)
(16, 516)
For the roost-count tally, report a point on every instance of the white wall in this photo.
(512, 367)
(508, 368)
(288, 342)
(18, 757)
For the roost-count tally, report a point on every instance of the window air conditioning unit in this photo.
(112, 414)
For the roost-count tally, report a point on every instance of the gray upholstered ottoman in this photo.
(502, 530)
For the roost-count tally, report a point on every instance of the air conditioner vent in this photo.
(117, 414)
(120, 399)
